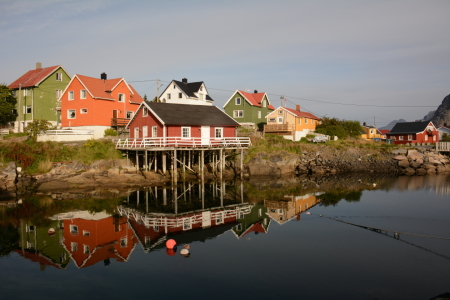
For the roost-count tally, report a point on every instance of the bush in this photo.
(37, 126)
(110, 132)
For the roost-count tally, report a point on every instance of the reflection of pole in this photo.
(203, 194)
(202, 165)
(175, 198)
(222, 188)
(175, 173)
(221, 163)
(242, 164)
(164, 196)
(242, 192)
(146, 201)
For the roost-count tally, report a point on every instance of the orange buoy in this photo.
(171, 252)
(171, 243)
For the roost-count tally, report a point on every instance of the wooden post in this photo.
(175, 171)
(221, 163)
(137, 161)
(146, 160)
(184, 164)
(156, 160)
(164, 162)
(202, 165)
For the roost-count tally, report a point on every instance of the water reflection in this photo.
(53, 230)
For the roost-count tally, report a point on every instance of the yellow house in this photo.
(291, 124)
(290, 207)
(370, 132)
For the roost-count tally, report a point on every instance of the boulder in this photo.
(400, 157)
(414, 154)
(403, 163)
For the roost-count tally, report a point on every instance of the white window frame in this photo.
(434, 138)
(86, 233)
(187, 223)
(306, 120)
(410, 137)
(121, 97)
(73, 247)
(238, 101)
(82, 94)
(259, 114)
(280, 112)
(83, 110)
(144, 131)
(238, 113)
(272, 119)
(154, 131)
(400, 138)
(426, 137)
(185, 132)
(180, 95)
(299, 121)
(264, 104)
(26, 92)
(123, 242)
(145, 112)
(58, 76)
(70, 96)
(86, 249)
(69, 114)
(58, 94)
(73, 229)
(280, 120)
(218, 132)
(168, 96)
(27, 109)
(219, 218)
(130, 114)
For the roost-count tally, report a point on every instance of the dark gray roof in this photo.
(187, 114)
(409, 127)
(191, 88)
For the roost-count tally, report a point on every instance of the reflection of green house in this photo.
(257, 221)
(38, 245)
(249, 108)
(37, 93)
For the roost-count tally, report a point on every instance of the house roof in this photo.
(33, 77)
(189, 114)
(384, 131)
(255, 99)
(302, 114)
(190, 88)
(409, 127)
(100, 89)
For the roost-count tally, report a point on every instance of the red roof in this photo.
(302, 114)
(384, 131)
(100, 88)
(255, 98)
(33, 77)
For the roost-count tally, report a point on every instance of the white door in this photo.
(145, 131)
(136, 132)
(205, 134)
(206, 219)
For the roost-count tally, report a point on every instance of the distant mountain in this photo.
(428, 116)
(392, 124)
(442, 114)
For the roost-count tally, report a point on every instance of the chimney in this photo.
(297, 107)
(364, 123)
(256, 92)
(184, 80)
(38, 65)
(103, 76)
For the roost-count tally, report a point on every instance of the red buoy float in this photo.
(171, 243)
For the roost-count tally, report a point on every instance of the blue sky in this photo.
(322, 55)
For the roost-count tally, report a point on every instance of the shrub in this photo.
(35, 127)
(110, 132)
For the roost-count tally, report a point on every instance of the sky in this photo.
(371, 61)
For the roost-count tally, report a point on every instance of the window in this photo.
(259, 114)
(168, 96)
(299, 121)
(71, 114)
(426, 137)
(27, 109)
(186, 132)
(58, 76)
(154, 131)
(86, 249)
(371, 131)
(147, 241)
(58, 94)
(260, 212)
(238, 113)
(123, 242)
(219, 133)
(264, 104)
(201, 88)
(144, 131)
(200, 96)
(219, 218)
(410, 137)
(187, 224)
(74, 247)
(83, 110)
(272, 120)
(86, 233)
(434, 138)
(238, 101)
(174, 86)
(71, 95)
(129, 114)
(26, 92)
(280, 112)
(144, 112)
(83, 94)
(121, 97)
(74, 229)
(280, 120)
(180, 95)
(306, 121)
(400, 138)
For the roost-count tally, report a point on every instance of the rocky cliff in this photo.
(442, 114)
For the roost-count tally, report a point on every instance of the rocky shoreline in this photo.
(325, 161)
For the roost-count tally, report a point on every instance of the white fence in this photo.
(65, 135)
(443, 146)
(161, 142)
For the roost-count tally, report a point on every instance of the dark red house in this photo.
(181, 123)
(413, 133)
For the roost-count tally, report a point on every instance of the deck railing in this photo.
(162, 142)
(119, 122)
(443, 146)
(278, 127)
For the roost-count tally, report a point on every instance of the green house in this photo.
(38, 92)
(256, 222)
(249, 109)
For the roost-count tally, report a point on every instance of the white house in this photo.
(182, 92)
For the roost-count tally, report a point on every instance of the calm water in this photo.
(265, 239)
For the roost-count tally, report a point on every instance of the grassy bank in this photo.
(38, 157)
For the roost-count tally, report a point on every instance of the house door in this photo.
(205, 135)
(115, 113)
(206, 219)
(136, 132)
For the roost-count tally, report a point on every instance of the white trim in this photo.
(189, 131)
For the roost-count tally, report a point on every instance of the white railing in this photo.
(69, 132)
(443, 146)
(160, 142)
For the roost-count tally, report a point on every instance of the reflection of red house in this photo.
(98, 237)
(36, 257)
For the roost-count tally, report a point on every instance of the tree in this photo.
(8, 103)
(35, 127)
(339, 128)
(145, 98)
(445, 137)
(9, 240)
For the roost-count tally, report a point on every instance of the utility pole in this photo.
(18, 108)
(158, 85)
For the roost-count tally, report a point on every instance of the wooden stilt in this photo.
(164, 162)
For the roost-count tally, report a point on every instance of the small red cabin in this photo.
(414, 133)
